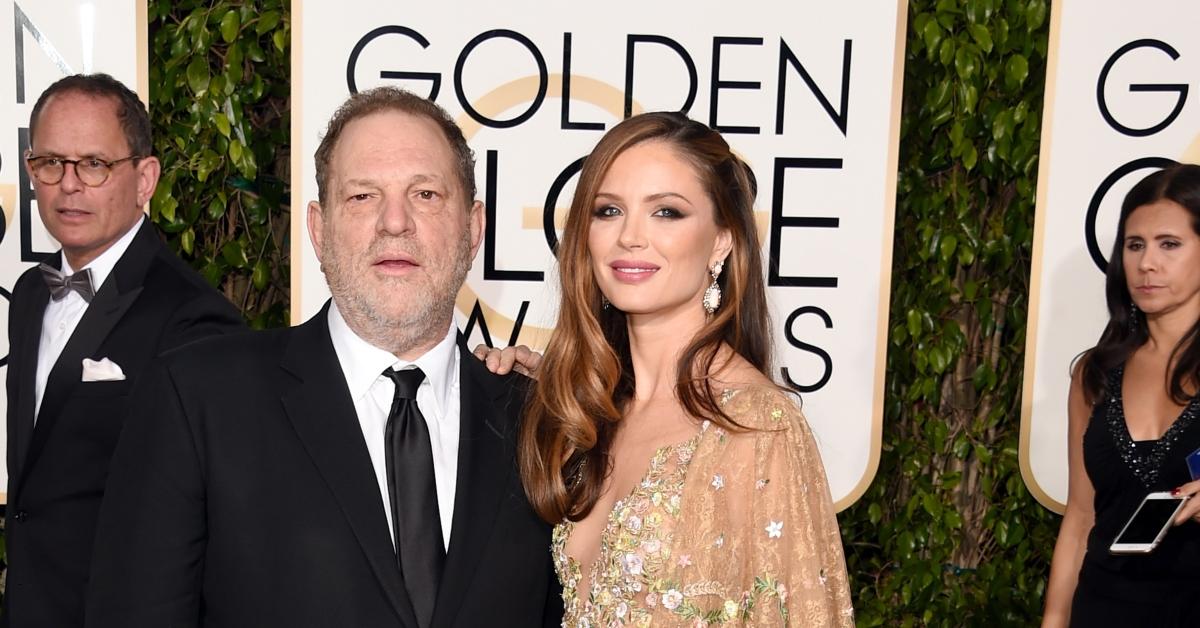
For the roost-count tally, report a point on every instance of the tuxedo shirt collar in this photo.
(363, 363)
(104, 263)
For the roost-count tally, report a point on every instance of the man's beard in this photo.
(426, 314)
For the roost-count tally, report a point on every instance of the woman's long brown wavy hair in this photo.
(1126, 331)
(586, 378)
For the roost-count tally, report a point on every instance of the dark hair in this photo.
(385, 98)
(1126, 331)
(135, 122)
(586, 377)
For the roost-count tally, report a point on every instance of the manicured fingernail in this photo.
(1175, 491)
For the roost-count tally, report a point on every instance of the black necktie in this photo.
(61, 284)
(416, 523)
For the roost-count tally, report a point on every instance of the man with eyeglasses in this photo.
(82, 327)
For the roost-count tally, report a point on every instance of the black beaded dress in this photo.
(1161, 588)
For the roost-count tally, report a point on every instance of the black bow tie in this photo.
(61, 284)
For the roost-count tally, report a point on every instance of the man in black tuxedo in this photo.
(356, 470)
(82, 327)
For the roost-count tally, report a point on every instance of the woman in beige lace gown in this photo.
(686, 486)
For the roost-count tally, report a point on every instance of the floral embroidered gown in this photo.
(733, 528)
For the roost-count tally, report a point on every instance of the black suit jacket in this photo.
(150, 302)
(242, 494)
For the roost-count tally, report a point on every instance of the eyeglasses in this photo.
(91, 171)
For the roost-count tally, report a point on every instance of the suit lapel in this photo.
(112, 300)
(484, 471)
(27, 317)
(322, 413)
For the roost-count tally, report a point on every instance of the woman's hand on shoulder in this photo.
(520, 358)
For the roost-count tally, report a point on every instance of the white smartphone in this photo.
(1149, 524)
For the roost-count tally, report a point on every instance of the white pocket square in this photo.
(103, 371)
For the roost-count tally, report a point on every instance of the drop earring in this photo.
(712, 296)
(1133, 316)
(604, 304)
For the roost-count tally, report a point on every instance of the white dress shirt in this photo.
(61, 317)
(363, 365)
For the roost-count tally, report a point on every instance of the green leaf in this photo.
(222, 124)
(946, 53)
(197, 75)
(255, 52)
(983, 453)
(206, 163)
(933, 35)
(234, 254)
(939, 96)
(874, 512)
(257, 209)
(261, 275)
(230, 24)
(1036, 14)
(970, 289)
(249, 165)
(165, 208)
(949, 244)
(965, 64)
(968, 98)
(235, 56)
(970, 157)
(257, 88)
(1016, 70)
(279, 38)
(961, 448)
(914, 323)
(972, 12)
(267, 22)
(213, 273)
(1002, 126)
(232, 79)
(1019, 112)
(907, 543)
(966, 257)
(939, 359)
(187, 240)
(932, 505)
(216, 209)
(982, 36)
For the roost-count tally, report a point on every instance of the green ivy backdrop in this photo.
(947, 535)
(219, 92)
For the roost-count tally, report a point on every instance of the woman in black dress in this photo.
(1133, 409)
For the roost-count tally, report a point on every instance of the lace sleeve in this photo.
(758, 543)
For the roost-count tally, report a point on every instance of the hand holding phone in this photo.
(1149, 524)
(1190, 511)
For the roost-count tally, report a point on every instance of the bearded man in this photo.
(356, 470)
